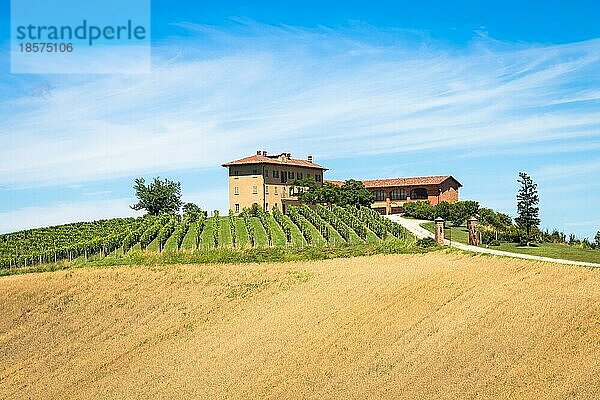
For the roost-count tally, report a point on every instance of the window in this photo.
(283, 191)
(284, 176)
(379, 195)
(266, 206)
(318, 178)
(275, 174)
(254, 172)
(236, 173)
(237, 208)
(307, 176)
(254, 189)
(236, 190)
(276, 189)
(398, 194)
(418, 194)
(266, 173)
(266, 189)
(298, 175)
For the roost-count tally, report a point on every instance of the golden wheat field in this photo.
(398, 326)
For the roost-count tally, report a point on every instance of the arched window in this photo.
(398, 194)
(418, 194)
(379, 195)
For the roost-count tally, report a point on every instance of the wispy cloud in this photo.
(560, 171)
(65, 212)
(223, 93)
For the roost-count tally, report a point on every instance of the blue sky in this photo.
(371, 89)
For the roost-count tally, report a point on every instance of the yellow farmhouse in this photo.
(265, 180)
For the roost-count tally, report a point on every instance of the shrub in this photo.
(232, 228)
(443, 210)
(278, 216)
(462, 210)
(426, 243)
(419, 210)
(371, 219)
(200, 228)
(316, 221)
(332, 219)
(249, 227)
(264, 221)
(216, 228)
(352, 221)
(300, 222)
(165, 232)
(456, 212)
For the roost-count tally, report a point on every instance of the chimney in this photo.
(289, 155)
(258, 152)
(264, 153)
(310, 158)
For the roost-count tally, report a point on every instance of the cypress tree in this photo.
(527, 205)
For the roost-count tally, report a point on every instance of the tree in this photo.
(159, 197)
(308, 191)
(462, 210)
(597, 239)
(191, 208)
(527, 205)
(443, 210)
(487, 216)
(354, 193)
(419, 210)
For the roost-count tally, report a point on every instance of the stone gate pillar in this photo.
(439, 230)
(472, 227)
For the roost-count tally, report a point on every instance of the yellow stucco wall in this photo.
(270, 190)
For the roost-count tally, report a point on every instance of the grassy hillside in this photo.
(553, 250)
(398, 326)
(118, 238)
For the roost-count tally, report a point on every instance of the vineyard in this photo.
(299, 226)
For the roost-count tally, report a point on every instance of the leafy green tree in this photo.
(597, 239)
(354, 193)
(419, 210)
(310, 192)
(487, 216)
(505, 220)
(158, 197)
(527, 205)
(443, 210)
(461, 210)
(191, 208)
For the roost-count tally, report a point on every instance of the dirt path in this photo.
(414, 226)
(432, 326)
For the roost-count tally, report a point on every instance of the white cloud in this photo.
(66, 212)
(560, 171)
(308, 91)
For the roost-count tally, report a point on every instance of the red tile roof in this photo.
(274, 159)
(414, 181)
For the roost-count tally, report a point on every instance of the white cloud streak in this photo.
(65, 212)
(317, 92)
